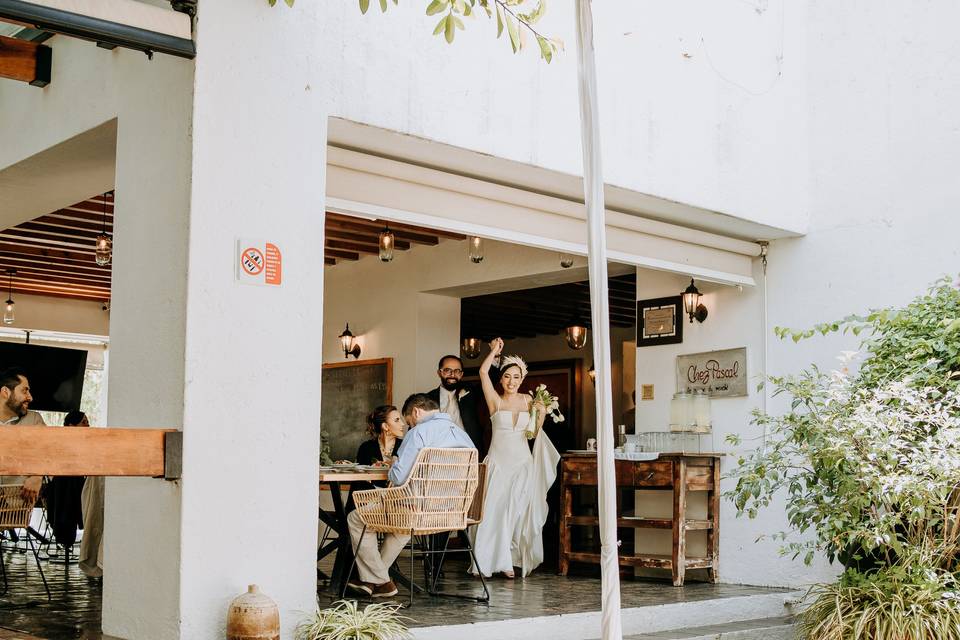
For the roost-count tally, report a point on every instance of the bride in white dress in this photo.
(515, 508)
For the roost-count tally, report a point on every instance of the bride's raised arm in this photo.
(489, 391)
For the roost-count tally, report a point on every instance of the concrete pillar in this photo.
(237, 365)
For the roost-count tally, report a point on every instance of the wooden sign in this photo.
(722, 373)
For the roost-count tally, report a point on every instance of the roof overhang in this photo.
(109, 23)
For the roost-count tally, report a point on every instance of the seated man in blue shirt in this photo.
(429, 428)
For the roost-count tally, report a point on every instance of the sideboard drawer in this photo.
(656, 473)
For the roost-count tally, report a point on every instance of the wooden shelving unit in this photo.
(676, 472)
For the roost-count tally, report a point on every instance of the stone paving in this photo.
(74, 612)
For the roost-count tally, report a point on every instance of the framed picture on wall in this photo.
(659, 321)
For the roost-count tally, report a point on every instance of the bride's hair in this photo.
(513, 361)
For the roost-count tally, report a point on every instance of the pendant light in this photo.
(387, 244)
(8, 311)
(104, 246)
(470, 348)
(576, 333)
(476, 249)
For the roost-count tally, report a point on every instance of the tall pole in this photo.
(600, 316)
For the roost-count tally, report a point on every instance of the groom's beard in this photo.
(450, 384)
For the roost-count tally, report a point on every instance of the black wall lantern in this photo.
(691, 303)
(349, 343)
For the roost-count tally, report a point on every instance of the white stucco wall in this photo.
(693, 96)
(64, 315)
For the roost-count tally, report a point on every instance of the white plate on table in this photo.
(580, 451)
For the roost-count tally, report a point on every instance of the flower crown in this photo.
(514, 360)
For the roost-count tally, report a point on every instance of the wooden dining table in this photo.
(337, 481)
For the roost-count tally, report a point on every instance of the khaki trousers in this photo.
(373, 565)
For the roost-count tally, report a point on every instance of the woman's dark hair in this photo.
(504, 370)
(377, 417)
(73, 418)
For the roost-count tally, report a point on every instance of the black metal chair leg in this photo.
(3, 570)
(436, 576)
(486, 592)
(413, 545)
(353, 563)
(36, 557)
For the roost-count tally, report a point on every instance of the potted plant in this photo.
(346, 621)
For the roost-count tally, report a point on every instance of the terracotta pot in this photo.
(253, 616)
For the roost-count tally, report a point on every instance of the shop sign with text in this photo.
(721, 373)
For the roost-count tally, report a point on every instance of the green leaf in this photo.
(440, 26)
(436, 7)
(457, 21)
(364, 5)
(383, 6)
(499, 21)
(545, 51)
(449, 30)
(514, 33)
(536, 14)
(289, 2)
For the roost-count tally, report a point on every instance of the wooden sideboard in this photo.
(676, 472)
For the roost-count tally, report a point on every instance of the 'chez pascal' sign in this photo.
(722, 373)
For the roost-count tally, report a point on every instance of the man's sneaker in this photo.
(384, 590)
(361, 587)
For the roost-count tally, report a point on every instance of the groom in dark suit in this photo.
(458, 400)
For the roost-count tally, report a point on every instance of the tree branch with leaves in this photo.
(516, 17)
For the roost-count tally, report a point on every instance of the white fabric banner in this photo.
(600, 315)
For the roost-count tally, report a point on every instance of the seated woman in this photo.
(386, 427)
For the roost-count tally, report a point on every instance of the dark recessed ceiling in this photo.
(545, 310)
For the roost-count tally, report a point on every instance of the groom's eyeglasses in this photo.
(452, 372)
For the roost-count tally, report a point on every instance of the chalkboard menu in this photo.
(349, 391)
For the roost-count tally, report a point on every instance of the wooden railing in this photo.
(80, 451)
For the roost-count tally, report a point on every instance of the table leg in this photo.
(713, 515)
(679, 552)
(344, 546)
(566, 511)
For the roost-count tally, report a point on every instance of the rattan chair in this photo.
(15, 513)
(436, 498)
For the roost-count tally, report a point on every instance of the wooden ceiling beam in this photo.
(72, 223)
(345, 255)
(40, 239)
(339, 234)
(53, 271)
(25, 61)
(47, 251)
(329, 261)
(423, 237)
(80, 215)
(64, 293)
(352, 246)
(59, 230)
(87, 265)
(94, 204)
(394, 226)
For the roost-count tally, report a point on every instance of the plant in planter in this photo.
(346, 621)
(869, 461)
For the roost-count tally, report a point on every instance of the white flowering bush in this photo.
(868, 459)
(869, 471)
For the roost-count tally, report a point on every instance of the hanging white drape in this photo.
(600, 316)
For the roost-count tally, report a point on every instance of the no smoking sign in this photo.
(259, 262)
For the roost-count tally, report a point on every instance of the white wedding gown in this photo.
(515, 508)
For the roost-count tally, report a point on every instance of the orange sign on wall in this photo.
(259, 263)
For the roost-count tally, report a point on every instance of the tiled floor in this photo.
(75, 610)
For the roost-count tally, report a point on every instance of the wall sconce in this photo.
(691, 303)
(8, 311)
(475, 244)
(386, 244)
(566, 260)
(576, 333)
(103, 244)
(349, 343)
(470, 347)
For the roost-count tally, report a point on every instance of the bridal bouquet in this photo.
(549, 401)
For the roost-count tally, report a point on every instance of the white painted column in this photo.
(237, 365)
